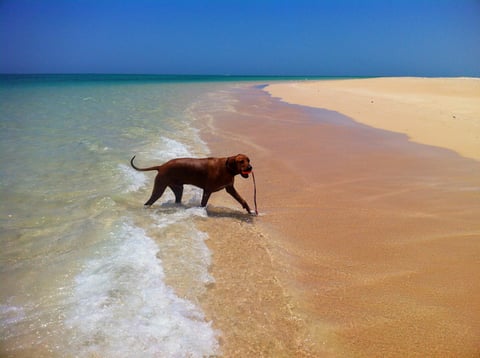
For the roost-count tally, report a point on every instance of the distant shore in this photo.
(443, 112)
(367, 243)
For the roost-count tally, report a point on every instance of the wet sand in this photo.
(368, 244)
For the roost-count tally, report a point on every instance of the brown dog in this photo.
(209, 174)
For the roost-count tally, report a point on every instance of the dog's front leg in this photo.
(231, 190)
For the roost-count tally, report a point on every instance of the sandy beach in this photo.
(367, 243)
(443, 112)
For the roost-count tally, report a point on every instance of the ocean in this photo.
(85, 270)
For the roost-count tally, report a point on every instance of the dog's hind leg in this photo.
(157, 192)
(205, 197)
(178, 191)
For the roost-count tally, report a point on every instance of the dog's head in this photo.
(239, 164)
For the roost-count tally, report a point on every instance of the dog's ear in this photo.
(231, 165)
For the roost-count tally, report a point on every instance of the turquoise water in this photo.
(189, 79)
(84, 268)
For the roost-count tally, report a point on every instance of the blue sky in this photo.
(242, 37)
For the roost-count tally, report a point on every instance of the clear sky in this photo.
(242, 37)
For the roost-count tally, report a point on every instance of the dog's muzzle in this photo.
(245, 173)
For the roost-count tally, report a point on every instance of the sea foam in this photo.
(122, 306)
(168, 148)
(133, 180)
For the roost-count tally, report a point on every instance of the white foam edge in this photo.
(200, 255)
(133, 179)
(122, 306)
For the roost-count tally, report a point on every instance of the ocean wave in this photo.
(122, 306)
(192, 255)
(168, 148)
(134, 180)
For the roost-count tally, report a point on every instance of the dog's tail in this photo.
(141, 169)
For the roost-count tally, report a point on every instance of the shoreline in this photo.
(366, 244)
(443, 112)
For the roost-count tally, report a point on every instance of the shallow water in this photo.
(84, 268)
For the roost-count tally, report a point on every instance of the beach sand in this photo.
(367, 243)
(443, 112)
